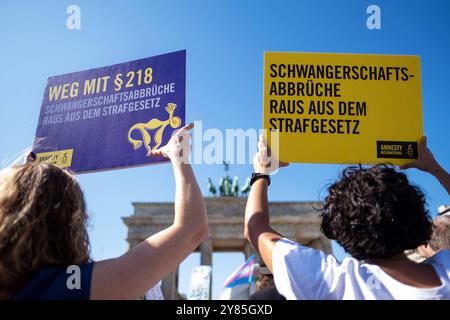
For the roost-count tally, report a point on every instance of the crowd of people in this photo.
(373, 212)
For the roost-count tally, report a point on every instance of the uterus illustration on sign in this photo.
(156, 125)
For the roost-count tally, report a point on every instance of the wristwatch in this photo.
(256, 176)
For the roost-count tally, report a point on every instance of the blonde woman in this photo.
(43, 231)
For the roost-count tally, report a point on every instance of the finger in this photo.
(264, 156)
(262, 147)
(151, 153)
(157, 152)
(262, 141)
(283, 164)
(182, 154)
(183, 138)
(184, 143)
(186, 137)
(186, 128)
(423, 144)
(262, 138)
(263, 160)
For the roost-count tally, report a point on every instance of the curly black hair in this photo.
(375, 213)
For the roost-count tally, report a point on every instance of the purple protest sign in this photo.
(110, 117)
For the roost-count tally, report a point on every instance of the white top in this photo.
(305, 273)
(155, 293)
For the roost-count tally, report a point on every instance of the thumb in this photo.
(157, 152)
(423, 144)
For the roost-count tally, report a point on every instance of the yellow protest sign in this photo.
(343, 108)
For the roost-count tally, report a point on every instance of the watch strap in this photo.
(257, 176)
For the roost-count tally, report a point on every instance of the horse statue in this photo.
(211, 187)
(246, 187)
(235, 187)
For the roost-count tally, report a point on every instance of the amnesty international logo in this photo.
(60, 158)
(410, 150)
(154, 124)
(397, 149)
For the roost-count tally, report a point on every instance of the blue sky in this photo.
(225, 42)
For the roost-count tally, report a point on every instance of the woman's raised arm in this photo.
(130, 275)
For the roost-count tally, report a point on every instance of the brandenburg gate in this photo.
(298, 221)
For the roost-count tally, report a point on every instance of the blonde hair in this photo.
(43, 222)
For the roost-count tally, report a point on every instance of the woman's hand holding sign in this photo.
(178, 148)
(265, 161)
(428, 163)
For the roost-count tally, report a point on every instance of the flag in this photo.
(238, 284)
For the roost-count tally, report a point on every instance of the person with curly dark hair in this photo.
(375, 214)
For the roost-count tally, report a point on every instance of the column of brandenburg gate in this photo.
(298, 221)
